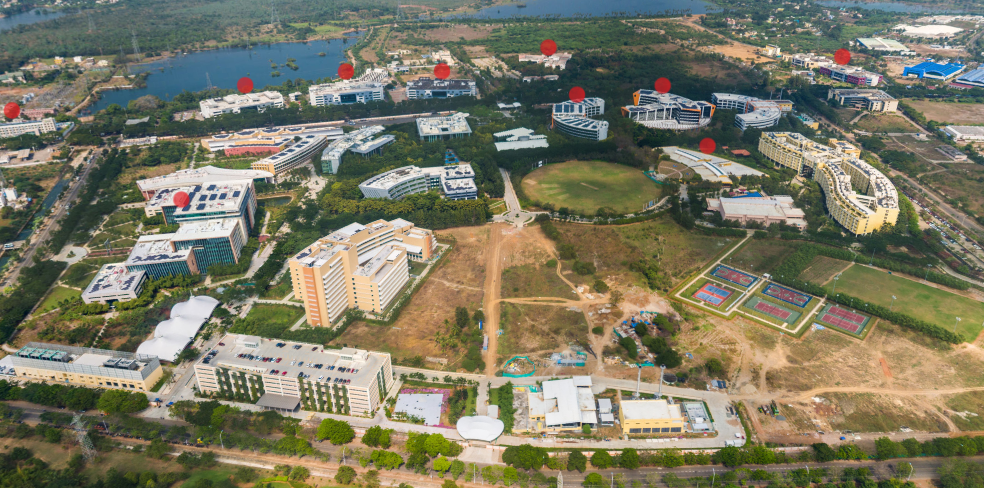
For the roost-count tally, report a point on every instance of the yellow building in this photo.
(357, 266)
(641, 417)
(858, 196)
(83, 366)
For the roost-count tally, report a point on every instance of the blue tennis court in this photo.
(707, 297)
(717, 291)
(711, 294)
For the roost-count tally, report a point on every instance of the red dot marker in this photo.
(244, 85)
(346, 71)
(842, 56)
(576, 94)
(181, 199)
(442, 71)
(707, 145)
(662, 85)
(11, 110)
(548, 47)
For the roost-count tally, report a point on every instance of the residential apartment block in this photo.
(84, 366)
(357, 266)
(858, 196)
(285, 376)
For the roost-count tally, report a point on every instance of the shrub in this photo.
(600, 286)
(346, 475)
(598, 330)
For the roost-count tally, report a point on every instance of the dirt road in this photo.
(490, 302)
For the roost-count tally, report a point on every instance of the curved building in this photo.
(573, 118)
(858, 196)
(293, 156)
(456, 181)
(668, 111)
(752, 111)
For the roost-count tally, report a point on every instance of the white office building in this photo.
(456, 181)
(752, 111)
(432, 88)
(361, 142)
(520, 138)
(574, 119)
(114, 283)
(234, 104)
(36, 127)
(668, 111)
(370, 87)
(441, 128)
(965, 132)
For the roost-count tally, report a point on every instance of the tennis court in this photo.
(712, 294)
(785, 294)
(772, 310)
(844, 319)
(734, 276)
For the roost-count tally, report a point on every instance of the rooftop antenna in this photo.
(88, 451)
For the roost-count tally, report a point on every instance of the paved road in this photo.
(515, 215)
(41, 236)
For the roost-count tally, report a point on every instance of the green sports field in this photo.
(587, 185)
(933, 305)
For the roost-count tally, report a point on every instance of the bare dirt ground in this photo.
(954, 113)
(455, 32)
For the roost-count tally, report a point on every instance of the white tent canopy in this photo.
(172, 335)
(480, 428)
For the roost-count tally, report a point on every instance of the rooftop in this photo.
(206, 229)
(426, 83)
(649, 409)
(198, 176)
(113, 278)
(210, 197)
(155, 249)
(880, 44)
(436, 126)
(370, 80)
(247, 100)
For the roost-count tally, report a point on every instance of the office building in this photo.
(292, 157)
(425, 87)
(357, 266)
(155, 255)
(870, 99)
(709, 166)
(198, 177)
(752, 111)
(232, 141)
(777, 209)
(852, 75)
(574, 119)
(668, 111)
(249, 147)
(457, 182)
(360, 142)
(809, 61)
(520, 138)
(36, 127)
(88, 367)
(113, 283)
(641, 417)
(236, 103)
(369, 87)
(287, 376)
(807, 120)
(442, 128)
(883, 45)
(933, 71)
(858, 196)
(562, 405)
(209, 201)
(191, 250)
(971, 79)
(965, 133)
(556, 60)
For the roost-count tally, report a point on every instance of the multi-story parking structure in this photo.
(288, 376)
(425, 87)
(36, 127)
(197, 177)
(574, 119)
(369, 87)
(668, 111)
(441, 128)
(857, 195)
(456, 181)
(868, 99)
(358, 266)
(752, 111)
(852, 75)
(234, 104)
(292, 157)
(360, 142)
(84, 366)
(222, 199)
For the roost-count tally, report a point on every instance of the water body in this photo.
(885, 6)
(32, 17)
(593, 8)
(45, 205)
(226, 66)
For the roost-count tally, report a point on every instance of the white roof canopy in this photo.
(172, 335)
(480, 428)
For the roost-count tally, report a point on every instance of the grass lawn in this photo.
(587, 185)
(954, 113)
(416, 267)
(56, 295)
(534, 280)
(279, 290)
(761, 255)
(933, 305)
(966, 405)
(280, 315)
(214, 475)
(887, 122)
(822, 269)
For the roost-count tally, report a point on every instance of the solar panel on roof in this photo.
(201, 206)
(236, 194)
(186, 208)
(213, 197)
(211, 187)
(223, 196)
(198, 188)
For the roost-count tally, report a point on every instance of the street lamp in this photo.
(955, 325)
(893, 303)
(928, 267)
(833, 292)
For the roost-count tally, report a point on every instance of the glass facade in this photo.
(219, 250)
(162, 269)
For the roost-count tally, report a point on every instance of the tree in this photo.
(823, 453)
(336, 431)
(730, 456)
(629, 459)
(457, 468)
(585, 429)
(435, 444)
(525, 456)
(903, 469)
(576, 460)
(630, 347)
(886, 448)
(158, 449)
(594, 480)
(121, 401)
(299, 473)
(371, 437)
(601, 459)
(441, 464)
(346, 475)
(449, 483)
(714, 367)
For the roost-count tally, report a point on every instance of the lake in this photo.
(9, 22)
(594, 8)
(225, 66)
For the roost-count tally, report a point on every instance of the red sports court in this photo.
(713, 294)
(778, 312)
(787, 295)
(844, 319)
(734, 276)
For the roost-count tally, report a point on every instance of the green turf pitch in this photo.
(586, 186)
